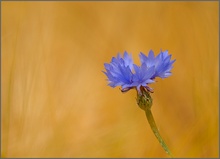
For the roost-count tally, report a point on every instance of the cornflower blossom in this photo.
(121, 71)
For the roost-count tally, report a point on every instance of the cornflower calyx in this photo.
(144, 99)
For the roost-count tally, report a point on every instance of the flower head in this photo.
(162, 63)
(121, 71)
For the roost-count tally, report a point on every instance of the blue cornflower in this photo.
(162, 63)
(119, 71)
(123, 72)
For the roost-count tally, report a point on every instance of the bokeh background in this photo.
(55, 98)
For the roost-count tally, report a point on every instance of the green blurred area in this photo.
(55, 99)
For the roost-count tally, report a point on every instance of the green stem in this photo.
(145, 102)
(153, 126)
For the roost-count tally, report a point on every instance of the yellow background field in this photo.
(55, 98)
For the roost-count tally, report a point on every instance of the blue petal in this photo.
(151, 54)
(143, 58)
(128, 60)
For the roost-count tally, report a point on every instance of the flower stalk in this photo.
(145, 102)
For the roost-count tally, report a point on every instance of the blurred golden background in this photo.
(55, 99)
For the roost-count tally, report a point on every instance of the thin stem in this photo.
(153, 126)
(145, 102)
